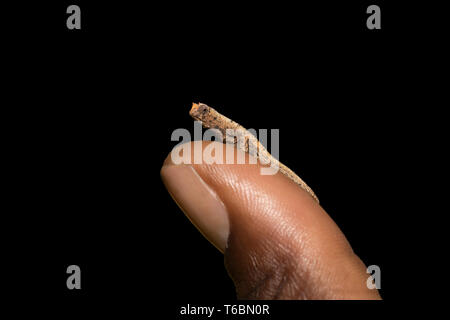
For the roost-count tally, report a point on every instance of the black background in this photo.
(93, 111)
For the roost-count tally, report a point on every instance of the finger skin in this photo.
(281, 243)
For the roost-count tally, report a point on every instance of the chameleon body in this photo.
(243, 139)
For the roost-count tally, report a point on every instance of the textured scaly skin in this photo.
(243, 139)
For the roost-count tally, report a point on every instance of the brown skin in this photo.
(281, 243)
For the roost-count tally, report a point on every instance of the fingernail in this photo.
(198, 201)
